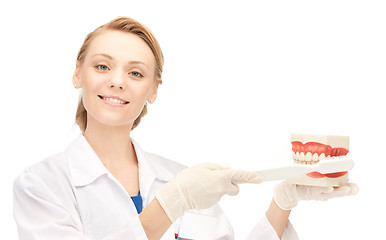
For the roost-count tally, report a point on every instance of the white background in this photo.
(238, 79)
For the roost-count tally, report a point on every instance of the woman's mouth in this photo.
(113, 100)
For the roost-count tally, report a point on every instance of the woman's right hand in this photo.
(201, 187)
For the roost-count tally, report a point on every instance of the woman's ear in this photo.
(75, 78)
(153, 95)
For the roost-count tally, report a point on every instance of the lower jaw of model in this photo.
(310, 149)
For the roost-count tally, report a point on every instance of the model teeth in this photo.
(301, 156)
(114, 100)
(307, 158)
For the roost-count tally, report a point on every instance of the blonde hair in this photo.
(129, 25)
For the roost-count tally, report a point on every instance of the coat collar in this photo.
(85, 166)
(152, 164)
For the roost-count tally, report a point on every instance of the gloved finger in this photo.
(338, 192)
(354, 189)
(233, 190)
(349, 189)
(324, 189)
(241, 176)
(314, 190)
(211, 166)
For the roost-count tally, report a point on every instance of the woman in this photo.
(104, 186)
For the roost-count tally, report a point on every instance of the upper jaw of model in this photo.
(308, 149)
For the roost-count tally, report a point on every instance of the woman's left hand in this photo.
(288, 195)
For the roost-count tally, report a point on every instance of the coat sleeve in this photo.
(264, 231)
(41, 214)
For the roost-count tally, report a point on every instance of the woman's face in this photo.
(117, 78)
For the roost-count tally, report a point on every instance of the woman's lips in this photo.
(113, 100)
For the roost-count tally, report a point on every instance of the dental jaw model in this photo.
(310, 149)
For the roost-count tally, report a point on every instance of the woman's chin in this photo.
(110, 122)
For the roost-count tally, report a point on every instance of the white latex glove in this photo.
(287, 195)
(201, 187)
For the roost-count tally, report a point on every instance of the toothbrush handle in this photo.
(284, 172)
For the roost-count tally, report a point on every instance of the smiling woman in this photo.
(119, 78)
(119, 26)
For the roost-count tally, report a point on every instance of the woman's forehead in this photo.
(121, 46)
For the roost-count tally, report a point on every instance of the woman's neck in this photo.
(112, 144)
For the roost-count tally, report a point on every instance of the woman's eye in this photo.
(136, 74)
(102, 67)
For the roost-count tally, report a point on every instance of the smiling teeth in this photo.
(114, 100)
(307, 158)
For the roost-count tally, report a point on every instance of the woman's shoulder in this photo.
(47, 187)
(47, 173)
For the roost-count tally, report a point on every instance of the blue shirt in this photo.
(137, 200)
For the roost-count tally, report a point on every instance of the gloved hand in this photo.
(201, 187)
(287, 195)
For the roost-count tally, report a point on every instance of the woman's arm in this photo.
(277, 217)
(154, 220)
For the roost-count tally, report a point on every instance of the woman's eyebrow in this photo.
(104, 55)
(138, 63)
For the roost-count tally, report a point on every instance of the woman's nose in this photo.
(118, 81)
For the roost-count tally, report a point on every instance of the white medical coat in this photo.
(71, 195)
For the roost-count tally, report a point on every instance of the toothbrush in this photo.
(325, 165)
